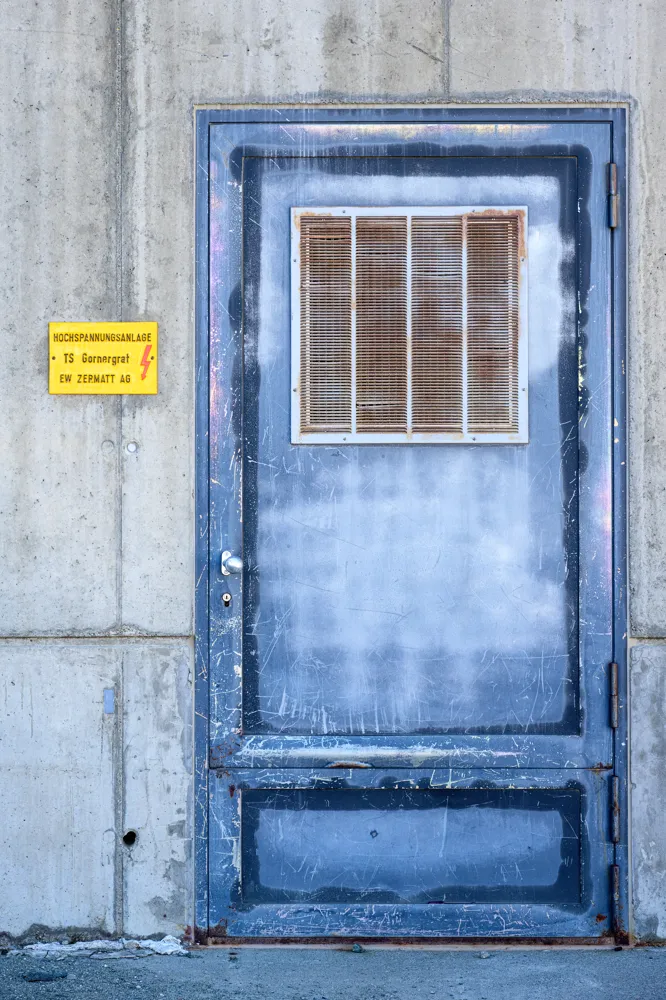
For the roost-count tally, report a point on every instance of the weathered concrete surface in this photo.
(648, 783)
(58, 489)
(74, 779)
(566, 50)
(57, 755)
(157, 733)
(373, 974)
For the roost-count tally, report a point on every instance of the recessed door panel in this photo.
(412, 588)
(411, 846)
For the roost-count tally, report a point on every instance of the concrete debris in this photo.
(131, 948)
(169, 945)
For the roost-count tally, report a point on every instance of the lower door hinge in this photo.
(618, 921)
(613, 197)
(615, 884)
(614, 697)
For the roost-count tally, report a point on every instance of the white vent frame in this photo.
(521, 436)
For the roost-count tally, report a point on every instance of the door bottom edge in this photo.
(348, 942)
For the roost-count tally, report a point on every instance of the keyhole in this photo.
(226, 600)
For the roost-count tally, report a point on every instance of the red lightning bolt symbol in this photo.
(145, 361)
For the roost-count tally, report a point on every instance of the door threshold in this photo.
(374, 944)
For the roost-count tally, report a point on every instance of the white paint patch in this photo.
(168, 945)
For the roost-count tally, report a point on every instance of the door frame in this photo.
(205, 119)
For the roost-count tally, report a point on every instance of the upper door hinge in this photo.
(614, 697)
(613, 196)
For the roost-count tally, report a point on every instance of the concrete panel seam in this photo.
(338, 104)
(446, 18)
(95, 636)
(549, 98)
(106, 638)
(119, 805)
(120, 34)
(646, 640)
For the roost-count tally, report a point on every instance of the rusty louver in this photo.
(410, 325)
(326, 307)
(437, 324)
(492, 323)
(381, 323)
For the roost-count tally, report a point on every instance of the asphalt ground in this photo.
(327, 974)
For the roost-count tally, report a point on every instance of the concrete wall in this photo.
(74, 778)
(96, 176)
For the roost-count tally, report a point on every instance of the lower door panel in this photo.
(369, 853)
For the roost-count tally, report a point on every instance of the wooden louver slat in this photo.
(492, 324)
(381, 323)
(437, 323)
(326, 298)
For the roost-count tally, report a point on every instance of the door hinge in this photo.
(615, 886)
(615, 809)
(613, 197)
(614, 697)
(618, 927)
(615, 895)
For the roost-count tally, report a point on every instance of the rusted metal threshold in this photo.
(605, 942)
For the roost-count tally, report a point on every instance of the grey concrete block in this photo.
(158, 794)
(542, 51)
(57, 749)
(648, 784)
(253, 50)
(78, 769)
(58, 489)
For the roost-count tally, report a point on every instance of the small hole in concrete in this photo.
(129, 838)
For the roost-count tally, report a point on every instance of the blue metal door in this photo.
(408, 646)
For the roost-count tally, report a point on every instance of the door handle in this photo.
(231, 564)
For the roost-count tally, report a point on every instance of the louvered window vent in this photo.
(409, 325)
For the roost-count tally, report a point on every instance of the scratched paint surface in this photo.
(368, 852)
(403, 846)
(409, 589)
(402, 652)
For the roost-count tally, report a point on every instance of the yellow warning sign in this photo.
(108, 358)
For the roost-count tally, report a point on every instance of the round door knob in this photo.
(231, 564)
